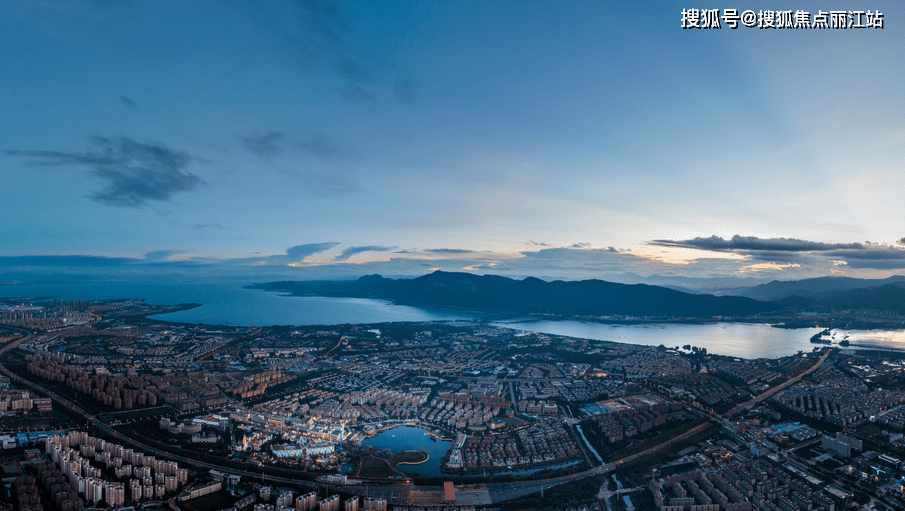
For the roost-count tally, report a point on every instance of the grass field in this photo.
(375, 467)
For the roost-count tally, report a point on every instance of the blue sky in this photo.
(329, 139)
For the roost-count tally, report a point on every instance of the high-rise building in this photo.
(375, 504)
(330, 503)
(94, 490)
(306, 502)
(135, 489)
(115, 494)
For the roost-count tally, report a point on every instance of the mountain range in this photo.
(492, 293)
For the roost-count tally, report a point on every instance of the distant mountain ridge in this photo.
(493, 293)
(816, 288)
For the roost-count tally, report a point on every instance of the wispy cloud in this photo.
(319, 145)
(162, 255)
(127, 102)
(299, 253)
(449, 251)
(135, 173)
(349, 252)
(264, 146)
(325, 26)
(209, 225)
(73, 261)
(328, 185)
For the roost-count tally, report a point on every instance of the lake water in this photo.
(227, 303)
(230, 304)
(411, 438)
(743, 340)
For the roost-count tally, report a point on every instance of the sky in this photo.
(323, 139)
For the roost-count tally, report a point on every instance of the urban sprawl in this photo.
(104, 407)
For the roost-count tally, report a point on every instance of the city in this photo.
(112, 408)
(410, 255)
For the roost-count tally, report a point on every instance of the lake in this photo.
(411, 438)
(228, 303)
(231, 304)
(743, 340)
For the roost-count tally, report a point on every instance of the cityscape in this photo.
(412, 255)
(105, 407)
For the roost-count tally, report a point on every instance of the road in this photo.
(771, 392)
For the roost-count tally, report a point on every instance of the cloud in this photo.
(449, 251)
(797, 251)
(325, 28)
(209, 225)
(323, 16)
(900, 241)
(581, 245)
(328, 185)
(319, 146)
(352, 70)
(349, 252)
(128, 102)
(75, 261)
(295, 254)
(751, 243)
(162, 255)
(263, 146)
(536, 244)
(357, 94)
(300, 252)
(135, 173)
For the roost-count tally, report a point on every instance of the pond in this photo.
(411, 438)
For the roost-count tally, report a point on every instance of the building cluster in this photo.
(747, 373)
(648, 362)
(838, 398)
(103, 471)
(13, 401)
(572, 389)
(287, 500)
(256, 384)
(183, 391)
(893, 418)
(541, 443)
(625, 417)
(437, 508)
(743, 484)
(46, 315)
(703, 388)
(296, 437)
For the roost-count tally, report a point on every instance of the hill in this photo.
(492, 293)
